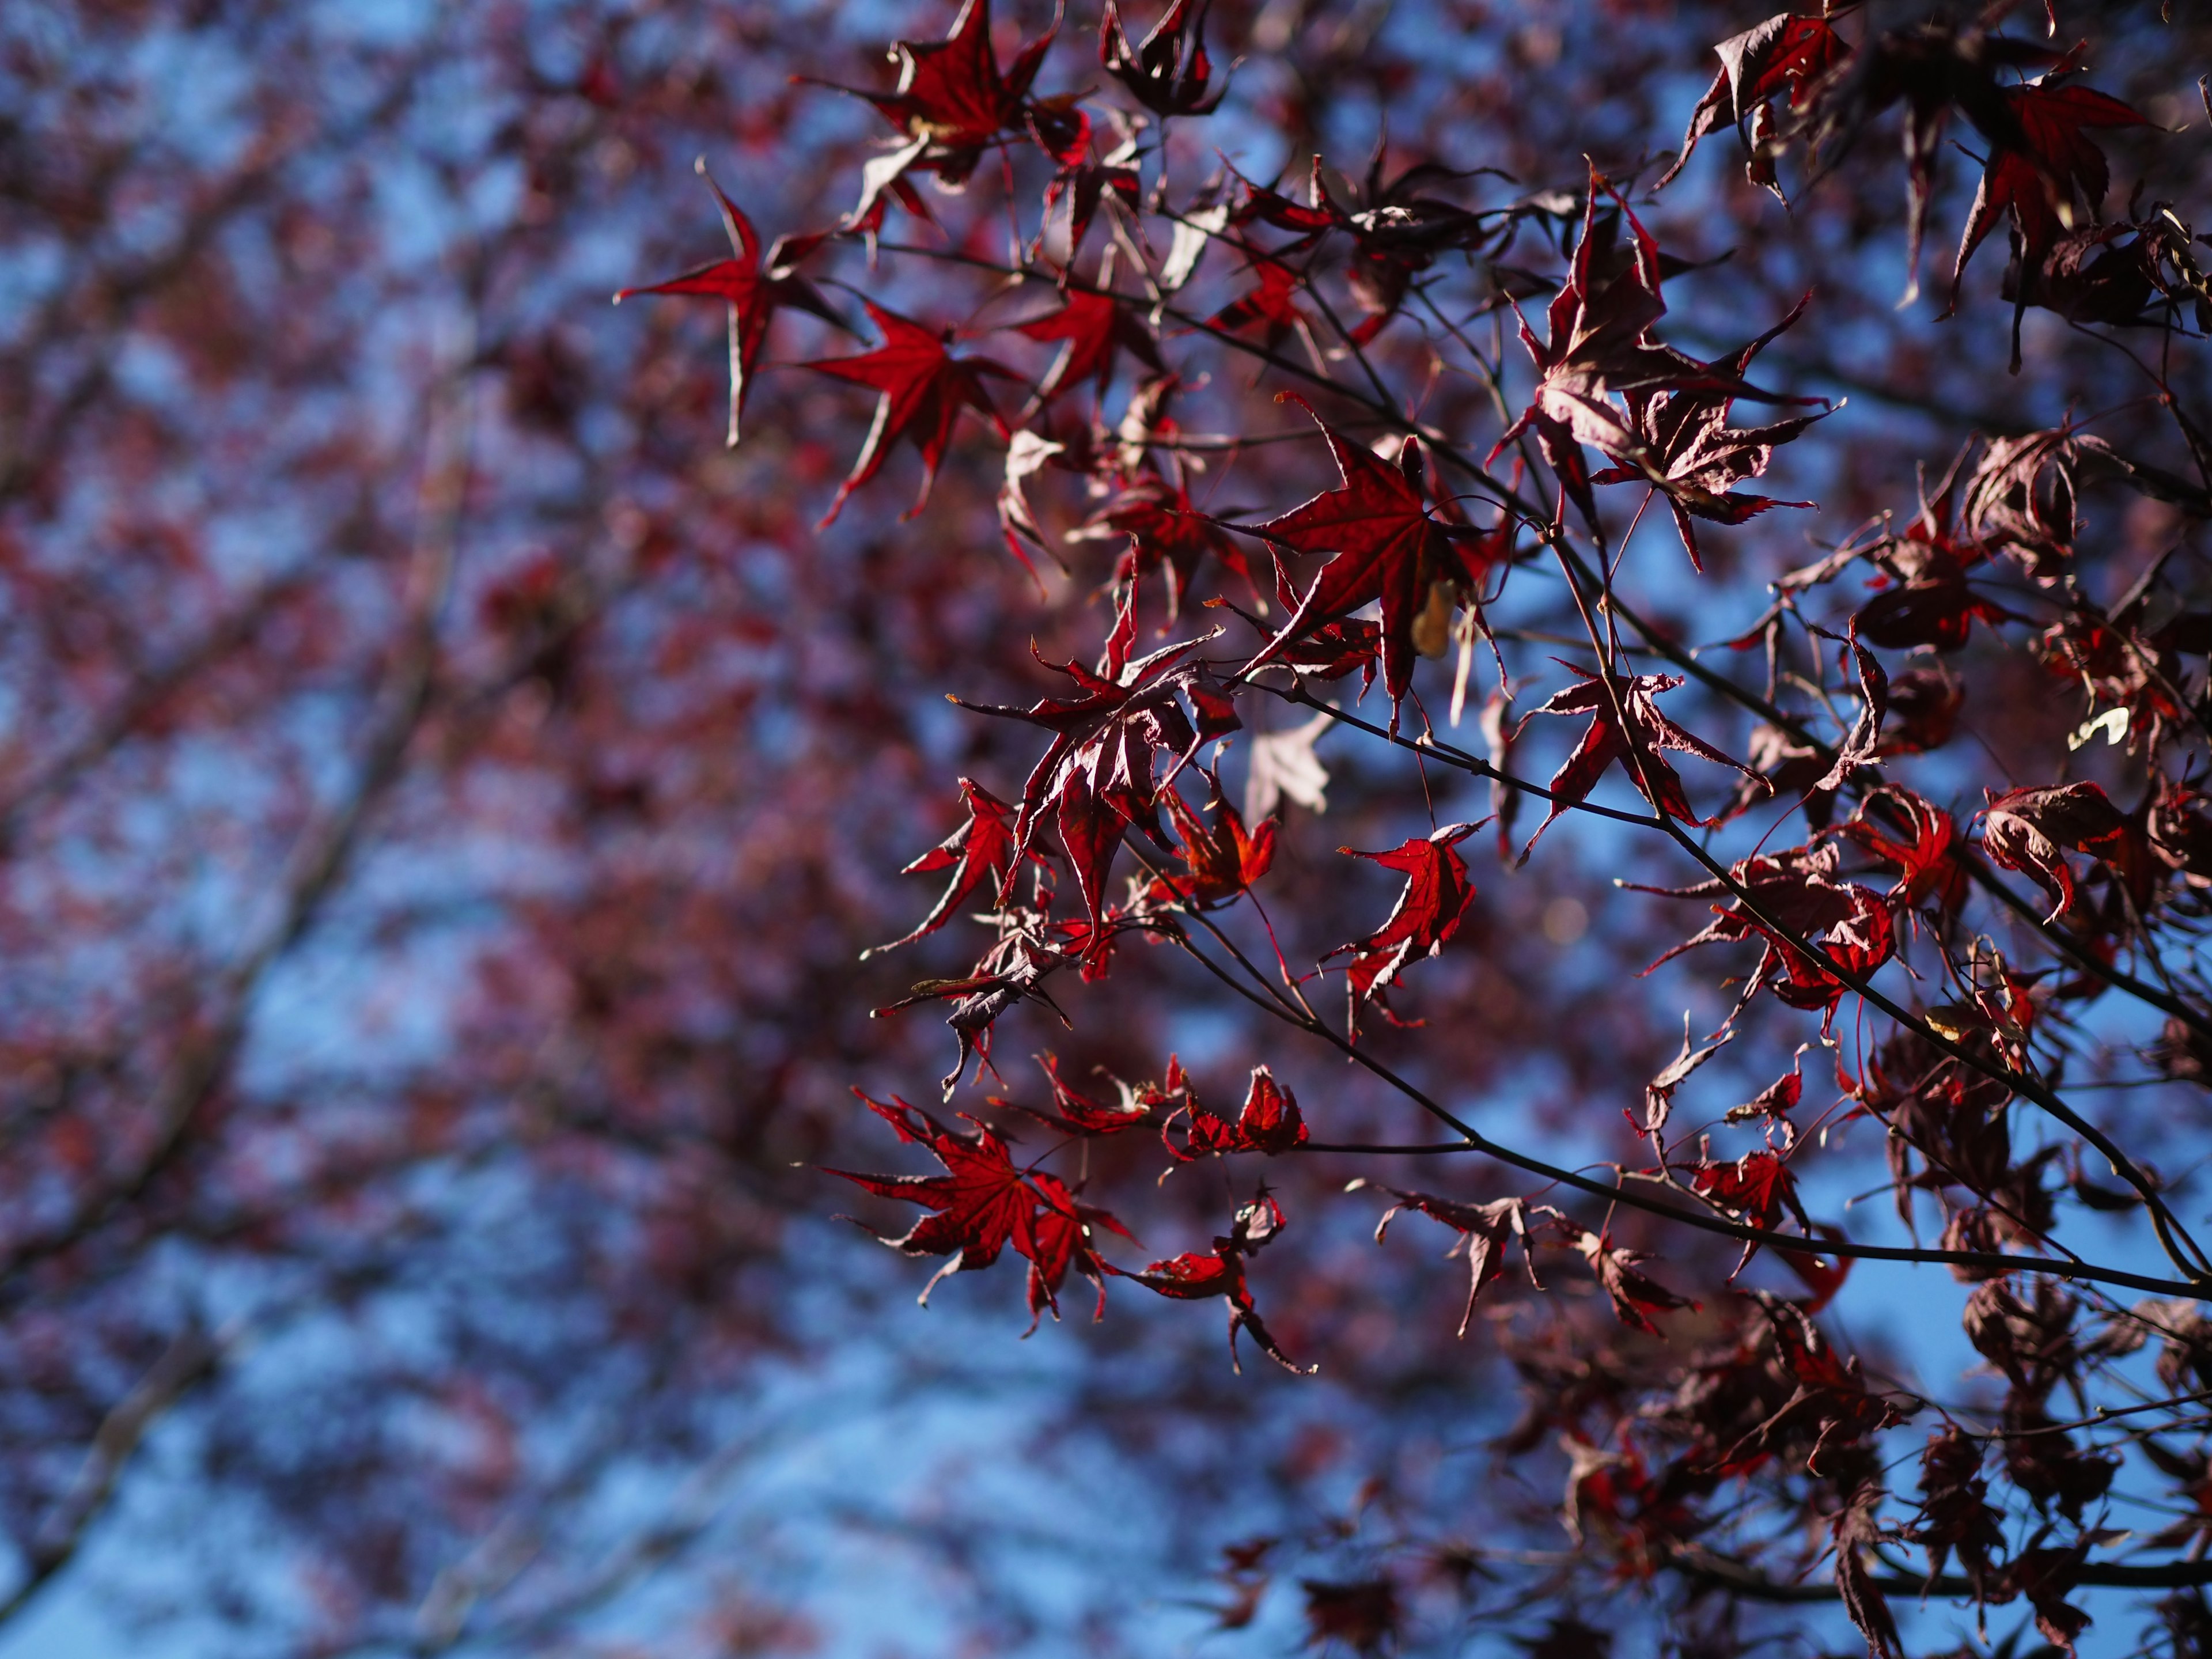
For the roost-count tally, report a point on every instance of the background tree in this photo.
(449, 791)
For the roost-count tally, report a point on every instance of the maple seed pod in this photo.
(1432, 628)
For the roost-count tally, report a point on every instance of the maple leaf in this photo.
(1786, 53)
(1195, 1277)
(952, 100)
(1939, 613)
(1269, 1122)
(1095, 327)
(1075, 1113)
(1221, 862)
(924, 387)
(1796, 892)
(1895, 827)
(1856, 1529)
(1626, 725)
(1428, 912)
(1388, 548)
(2032, 830)
(1659, 1093)
(1635, 1296)
(751, 298)
(980, 850)
(1164, 530)
(1600, 348)
(1271, 305)
(1084, 185)
(1168, 72)
(1757, 1189)
(1688, 452)
(980, 1205)
(1955, 1513)
(1283, 767)
(1096, 778)
(2051, 173)
(1484, 1231)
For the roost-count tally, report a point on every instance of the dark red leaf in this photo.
(751, 297)
(1428, 912)
(1169, 71)
(1626, 725)
(924, 387)
(1094, 326)
(1388, 548)
(1194, 1278)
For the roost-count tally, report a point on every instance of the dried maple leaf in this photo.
(1859, 1528)
(924, 387)
(1783, 54)
(1484, 1231)
(751, 296)
(1600, 348)
(2032, 830)
(1094, 326)
(980, 850)
(1389, 548)
(1626, 725)
(1168, 72)
(1635, 1296)
(1194, 1277)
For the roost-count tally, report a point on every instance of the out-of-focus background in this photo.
(444, 793)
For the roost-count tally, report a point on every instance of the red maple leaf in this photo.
(1388, 548)
(923, 387)
(1794, 901)
(1195, 1277)
(1271, 304)
(1756, 1188)
(1168, 72)
(1222, 861)
(1076, 1113)
(1690, 453)
(983, 1203)
(951, 101)
(1096, 778)
(1916, 839)
(1094, 326)
(979, 850)
(1269, 1122)
(1626, 725)
(751, 297)
(2043, 179)
(1436, 895)
(1164, 530)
